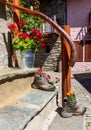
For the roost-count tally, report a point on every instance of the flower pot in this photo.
(29, 58)
(26, 60)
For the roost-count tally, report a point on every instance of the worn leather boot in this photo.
(40, 82)
(69, 110)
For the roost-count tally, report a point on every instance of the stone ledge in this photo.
(9, 74)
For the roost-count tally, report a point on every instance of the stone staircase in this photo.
(24, 108)
(19, 103)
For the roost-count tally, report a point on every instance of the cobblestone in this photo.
(80, 87)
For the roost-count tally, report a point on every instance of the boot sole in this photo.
(67, 115)
(50, 89)
(33, 86)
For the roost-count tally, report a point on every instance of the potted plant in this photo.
(30, 39)
(27, 43)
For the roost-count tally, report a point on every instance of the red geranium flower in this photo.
(39, 71)
(57, 79)
(37, 33)
(24, 35)
(48, 76)
(21, 23)
(46, 34)
(11, 27)
(32, 2)
(43, 43)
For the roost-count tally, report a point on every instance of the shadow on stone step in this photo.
(58, 110)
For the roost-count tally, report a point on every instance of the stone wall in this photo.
(50, 60)
(3, 37)
(54, 7)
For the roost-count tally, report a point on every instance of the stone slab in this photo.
(15, 118)
(37, 97)
(73, 123)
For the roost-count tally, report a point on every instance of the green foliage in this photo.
(32, 22)
(30, 36)
(25, 44)
(71, 99)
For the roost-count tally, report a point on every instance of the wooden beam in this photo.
(66, 69)
(16, 17)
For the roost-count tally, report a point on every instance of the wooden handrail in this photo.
(61, 31)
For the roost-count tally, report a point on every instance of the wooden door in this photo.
(79, 48)
(88, 51)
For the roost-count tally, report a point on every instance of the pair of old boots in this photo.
(69, 109)
(40, 82)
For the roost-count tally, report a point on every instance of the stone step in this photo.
(32, 109)
(14, 83)
(16, 115)
(20, 104)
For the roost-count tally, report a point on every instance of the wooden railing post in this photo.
(16, 17)
(66, 69)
